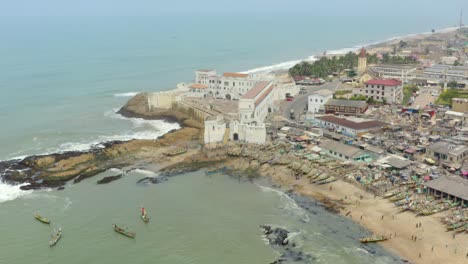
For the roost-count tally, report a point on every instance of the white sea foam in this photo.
(288, 64)
(129, 94)
(145, 172)
(288, 204)
(10, 192)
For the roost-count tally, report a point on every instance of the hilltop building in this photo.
(316, 100)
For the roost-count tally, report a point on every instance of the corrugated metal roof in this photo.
(454, 185)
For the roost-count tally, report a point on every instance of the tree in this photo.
(351, 73)
(402, 44)
(452, 84)
(457, 63)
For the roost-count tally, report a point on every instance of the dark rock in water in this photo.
(276, 236)
(153, 180)
(109, 179)
(60, 188)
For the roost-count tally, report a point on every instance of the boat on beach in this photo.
(176, 152)
(373, 239)
(41, 218)
(123, 231)
(390, 194)
(55, 237)
(329, 180)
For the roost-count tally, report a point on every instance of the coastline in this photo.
(371, 209)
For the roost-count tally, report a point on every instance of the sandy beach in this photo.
(433, 244)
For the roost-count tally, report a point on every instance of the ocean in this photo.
(63, 78)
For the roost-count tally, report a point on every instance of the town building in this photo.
(447, 72)
(460, 104)
(345, 152)
(349, 127)
(316, 100)
(390, 91)
(345, 107)
(403, 72)
(447, 153)
(197, 90)
(215, 129)
(449, 187)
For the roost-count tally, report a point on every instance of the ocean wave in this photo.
(129, 94)
(140, 129)
(11, 192)
(288, 204)
(288, 64)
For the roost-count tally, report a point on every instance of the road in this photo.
(425, 97)
(299, 103)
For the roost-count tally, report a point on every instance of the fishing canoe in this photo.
(123, 231)
(41, 219)
(460, 229)
(329, 180)
(373, 239)
(455, 226)
(55, 237)
(390, 194)
(176, 152)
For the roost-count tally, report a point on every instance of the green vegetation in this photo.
(408, 91)
(452, 84)
(445, 98)
(325, 66)
(343, 92)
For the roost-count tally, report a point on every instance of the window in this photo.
(378, 92)
(316, 100)
(367, 91)
(321, 100)
(213, 128)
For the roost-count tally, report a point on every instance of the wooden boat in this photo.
(321, 178)
(123, 231)
(144, 216)
(460, 229)
(390, 194)
(373, 239)
(455, 226)
(55, 237)
(401, 202)
(41, 219)
(176, 152)
(223, 169)
(329, 180)
(398, 197)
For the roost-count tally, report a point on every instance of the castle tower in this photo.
(362, 61)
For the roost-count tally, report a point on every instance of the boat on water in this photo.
(144, 215)
(41, 218)
(55, 237)
(210, 172)
(123, 231)
(176, 152)
(373, 239)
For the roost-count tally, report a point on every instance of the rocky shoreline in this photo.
(55, 170)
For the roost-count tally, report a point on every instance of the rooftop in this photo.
(444, 147)
(323, 92)
(453, 185)
(341, 148)
(198, 86)
(362, 53)
(395, 66)
(235, 75)
(384, 82)
(256, 90)
(263, 96)
(205, 70)
(352, 124)
(349, 103)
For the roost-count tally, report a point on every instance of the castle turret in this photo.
(362, 61)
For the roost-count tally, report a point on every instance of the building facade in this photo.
(362, 62)
(229, 85)
(345, 152)
(316, 100)
(404, 73)
(345, 107)
(447, 152)
(389, 91)
(447, 72)
(460, 104)
(349, 127)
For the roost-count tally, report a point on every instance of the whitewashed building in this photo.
(390, 90)
(229, 85)
(250, 127)
(317, 100)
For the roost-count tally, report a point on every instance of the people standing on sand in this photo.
(382, 217)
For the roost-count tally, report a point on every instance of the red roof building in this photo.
(389, 91)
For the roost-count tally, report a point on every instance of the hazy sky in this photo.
(233, 7)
